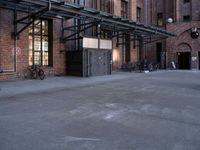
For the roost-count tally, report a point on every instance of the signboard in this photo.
(90, 43)
(94, 43)
(105, 44)
(18, 51)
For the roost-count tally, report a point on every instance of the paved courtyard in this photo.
(125, 111)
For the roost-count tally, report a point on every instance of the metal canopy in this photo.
(61, 9)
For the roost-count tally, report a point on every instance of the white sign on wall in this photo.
(105, 44)
(93, 43)
(90, 43)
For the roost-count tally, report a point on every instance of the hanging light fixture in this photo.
(194, 33)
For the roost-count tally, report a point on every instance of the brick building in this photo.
(35, 33)
(184, 48)
(14, 65)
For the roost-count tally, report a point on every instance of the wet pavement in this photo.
(125, 111)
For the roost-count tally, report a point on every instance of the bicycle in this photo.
(33, 72)
(127, 67)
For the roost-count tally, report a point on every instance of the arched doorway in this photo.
(183, 54)
(199, 59)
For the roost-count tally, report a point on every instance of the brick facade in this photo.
(183, 42)
(149, 13)
(7, 58)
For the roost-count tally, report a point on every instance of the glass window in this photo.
(105, 6)
(186, 1)
(186, 18)
(124, 9)
(94, 4)
(160, 19)
(39, 41)
(80, 2)
(106, 34)
(139, 14)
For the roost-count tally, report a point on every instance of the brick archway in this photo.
(183, 56)
(183, 47)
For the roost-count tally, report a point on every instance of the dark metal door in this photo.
(99, 63)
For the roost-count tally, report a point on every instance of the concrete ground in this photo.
(125, 111)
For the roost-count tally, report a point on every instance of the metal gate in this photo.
(90, 62)
(99, 62)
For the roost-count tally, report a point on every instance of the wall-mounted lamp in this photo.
(194, 33)
(169, 20)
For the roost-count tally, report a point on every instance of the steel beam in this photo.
(80, 12)
(99, 17)
(31, 18)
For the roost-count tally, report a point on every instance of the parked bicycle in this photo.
(34, 72)
(127, 67)
(1, 70)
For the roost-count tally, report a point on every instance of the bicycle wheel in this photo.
(41, 74)
(34, 74)
(27, 73)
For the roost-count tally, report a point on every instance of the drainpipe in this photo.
(99, 34)
(146, 22)
(15, 54)
(15, 42)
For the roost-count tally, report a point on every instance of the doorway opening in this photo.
(199, 60)
(184, 60)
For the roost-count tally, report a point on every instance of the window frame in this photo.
(106, 34)
(41, 36)
(186, 1)
(124, 9)
(186, 18)
(160, 20)
(139, 14)
(105, 5)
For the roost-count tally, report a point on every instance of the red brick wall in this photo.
(176, 10)
(195, 10)
(22, 45)
(6, 44)
(191, 9)
(59, 62)
(176, 44)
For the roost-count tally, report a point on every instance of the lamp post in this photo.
(165, 61)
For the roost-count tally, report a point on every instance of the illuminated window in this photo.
(40, 43)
